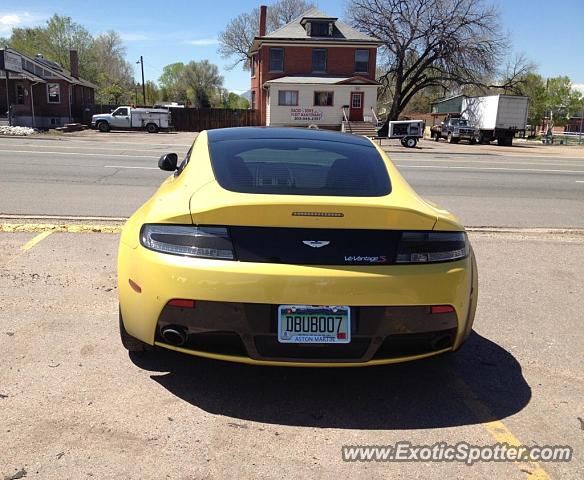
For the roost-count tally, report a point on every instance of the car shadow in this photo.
(431, 393)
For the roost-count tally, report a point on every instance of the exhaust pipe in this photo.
(174, 336)
(441, 341)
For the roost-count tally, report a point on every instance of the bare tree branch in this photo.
(235, 41)
(430, 43)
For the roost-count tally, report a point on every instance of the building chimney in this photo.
(74, 63)
(263, 14)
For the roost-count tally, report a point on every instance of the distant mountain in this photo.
(246, 95)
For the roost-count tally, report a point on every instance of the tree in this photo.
(54, 41)
(235, 101)
(197, 83)
(552, 98)
(172, 87)
(101, 59)
(534, 87)
(113, 70)
(202, 82)
(432, 43)
(152, 93)
(235, 41)
(562, 101)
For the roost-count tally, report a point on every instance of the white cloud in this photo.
(11, 20)
(579, 87)
(202, 41)
(133, 37)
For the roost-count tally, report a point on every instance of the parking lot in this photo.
(74, 404)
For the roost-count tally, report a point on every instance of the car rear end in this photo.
(298, 262)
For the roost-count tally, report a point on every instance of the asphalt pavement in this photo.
(113, 174)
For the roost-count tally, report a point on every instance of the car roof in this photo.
(274, 133)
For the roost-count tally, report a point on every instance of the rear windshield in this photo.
(299, 167)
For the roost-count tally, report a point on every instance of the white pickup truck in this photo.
(129, 118)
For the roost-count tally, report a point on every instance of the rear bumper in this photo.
(250, 330)
(238, 300)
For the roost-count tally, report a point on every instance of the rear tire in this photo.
(437, 137)
(103, 127)
(152, 128)
(130, 343)
(411, 142)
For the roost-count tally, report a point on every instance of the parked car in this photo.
(129, 118)
(498, 117)
(296, 247)
(454, 129)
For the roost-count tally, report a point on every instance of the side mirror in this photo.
(168, 161)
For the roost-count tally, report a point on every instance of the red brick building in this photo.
(36, 92)
(311, 70)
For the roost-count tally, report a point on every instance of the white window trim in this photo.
(48, 96)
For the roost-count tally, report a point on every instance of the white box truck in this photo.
(498, 117)
(129, 118)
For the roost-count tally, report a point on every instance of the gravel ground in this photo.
(74, 404)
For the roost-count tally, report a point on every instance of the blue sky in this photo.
(171, 31)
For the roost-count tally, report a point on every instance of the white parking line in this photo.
(492, 168)
(493, 162)
(77, 154)
(124, 166)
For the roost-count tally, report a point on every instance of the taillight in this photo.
(188, 240)
(431, 247)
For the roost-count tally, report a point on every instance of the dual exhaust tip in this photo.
(174, 335)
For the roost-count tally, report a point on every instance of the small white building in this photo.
(318, 100)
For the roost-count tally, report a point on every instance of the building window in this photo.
(323, 99)
(362, 61)
(20, 94)
(252, 65)
(276, 59)
(320, 29)
(253, 101)
(288, 98)
(318, 60)
(53, 93)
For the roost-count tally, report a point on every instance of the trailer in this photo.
(408, 132)
(497, 117)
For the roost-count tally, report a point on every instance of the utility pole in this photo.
(141, 62)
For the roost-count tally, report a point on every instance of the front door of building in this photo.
(356, 107)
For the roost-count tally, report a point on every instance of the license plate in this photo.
(314, 324)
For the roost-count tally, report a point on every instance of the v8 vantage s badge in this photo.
(365, 259)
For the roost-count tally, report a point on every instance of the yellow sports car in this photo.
(293, 247)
